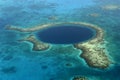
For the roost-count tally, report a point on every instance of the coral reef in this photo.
(52, 17)
(11, 69)
(80, 78)
(32, 29)
(94, 51)
(111, 7)
(94, 14)
(8, 57)
(68, 64)
(37, 45)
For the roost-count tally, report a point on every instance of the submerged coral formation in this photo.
(8, 70)
(94, 51)
(94, 14)
(111, 7)
(80, 78)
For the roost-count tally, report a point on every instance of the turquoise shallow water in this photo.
(19, 62)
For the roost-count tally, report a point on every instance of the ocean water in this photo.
(19, 62)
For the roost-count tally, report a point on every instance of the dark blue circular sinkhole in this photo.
(65, 34)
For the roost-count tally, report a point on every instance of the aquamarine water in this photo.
(19, 62)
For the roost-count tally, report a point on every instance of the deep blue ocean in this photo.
(65, 34)
(19, 62)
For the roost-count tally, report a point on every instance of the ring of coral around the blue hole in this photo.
(65, 34)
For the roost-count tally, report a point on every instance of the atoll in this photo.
(94, 51)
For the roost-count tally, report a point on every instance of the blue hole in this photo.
(65, 34)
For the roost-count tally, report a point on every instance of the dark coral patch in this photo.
(8, 70)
